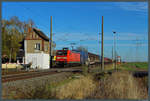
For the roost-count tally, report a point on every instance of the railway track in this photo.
(27, 75)
(21, 76)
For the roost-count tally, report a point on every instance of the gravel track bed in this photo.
(11, 88)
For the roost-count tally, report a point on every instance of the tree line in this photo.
(13, 32)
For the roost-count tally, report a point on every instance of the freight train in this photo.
(71, 57)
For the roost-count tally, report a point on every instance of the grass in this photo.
(98, 68)
(126, 67)
(47, 91)
(85, 70)
(143, 65)
(95, 85)
(120, 85)
(77, 89)
(54, 85)
(134, 66)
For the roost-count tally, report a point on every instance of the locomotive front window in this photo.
(62, 53)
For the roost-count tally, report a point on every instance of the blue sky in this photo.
(80, 22)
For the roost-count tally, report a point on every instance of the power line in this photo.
(138, 44)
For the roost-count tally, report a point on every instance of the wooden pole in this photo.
(50, 43)
(102, 48)
(115, 50)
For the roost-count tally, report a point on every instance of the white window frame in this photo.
(37, 46)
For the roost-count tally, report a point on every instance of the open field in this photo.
(131, 66)
(134, 66)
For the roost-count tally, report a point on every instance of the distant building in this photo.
(118, 59)
(107, 60)
(94, 57)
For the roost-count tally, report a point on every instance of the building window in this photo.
(37, 46)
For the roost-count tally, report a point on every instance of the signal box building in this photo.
(36, 49)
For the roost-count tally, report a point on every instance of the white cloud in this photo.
(140, 8)
(136, 6)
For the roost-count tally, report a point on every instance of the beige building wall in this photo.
(46, 47)
(31, 46)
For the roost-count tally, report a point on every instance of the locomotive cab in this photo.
(61, 57)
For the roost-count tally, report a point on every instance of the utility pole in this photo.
(113, 56)
(50, 42)
(99, 42)
(102, 48)
(115, 59)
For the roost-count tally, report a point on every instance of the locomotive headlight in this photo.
(61, 57)
(64, 57)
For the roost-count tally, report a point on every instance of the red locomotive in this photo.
(70, 57)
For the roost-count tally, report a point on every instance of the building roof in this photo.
(41, 34)
(107, 59)
(92, 54)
